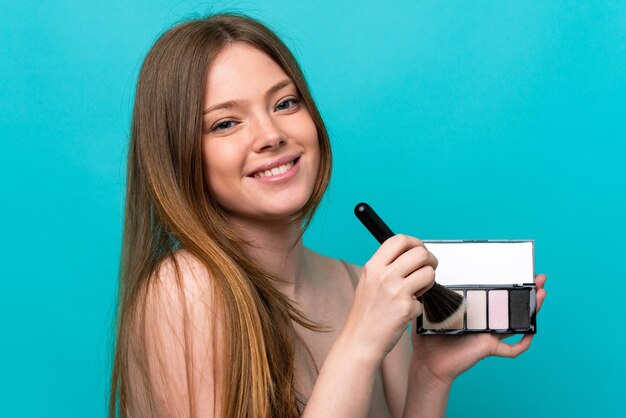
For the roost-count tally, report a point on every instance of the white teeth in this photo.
(275, 171)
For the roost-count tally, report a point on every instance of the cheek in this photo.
(316, 158)
(305, 129)
(221, 165)
(314, 144)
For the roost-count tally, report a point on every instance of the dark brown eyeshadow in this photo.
(519, 308)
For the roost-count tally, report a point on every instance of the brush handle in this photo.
(372, 222)
(376, 226)
(439, 302)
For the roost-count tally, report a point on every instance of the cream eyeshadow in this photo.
(476, 309)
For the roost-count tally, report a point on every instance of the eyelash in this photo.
(215, 128)
(292, 99)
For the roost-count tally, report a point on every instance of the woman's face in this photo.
(260, 148)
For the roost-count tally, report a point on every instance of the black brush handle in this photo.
(376, 226)
(372, 222)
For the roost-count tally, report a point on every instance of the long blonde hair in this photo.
(169, 207)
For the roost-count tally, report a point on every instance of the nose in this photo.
(268, 135)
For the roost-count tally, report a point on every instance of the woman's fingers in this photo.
(402, 257)
(418, 310)
(411, 261)
(418, 282)
(540, 281)
(541, 295)
(394, 247)
(503, 349)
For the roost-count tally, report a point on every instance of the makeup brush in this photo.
(442, 306)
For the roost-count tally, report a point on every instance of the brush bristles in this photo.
(442, 306)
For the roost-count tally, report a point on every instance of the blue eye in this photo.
(222, 125)
(281, 105)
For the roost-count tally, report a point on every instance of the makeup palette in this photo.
(497, 279)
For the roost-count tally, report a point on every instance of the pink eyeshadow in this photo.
(498, 309)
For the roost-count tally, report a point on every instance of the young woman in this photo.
(223, 311)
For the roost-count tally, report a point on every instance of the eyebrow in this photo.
(232, 103)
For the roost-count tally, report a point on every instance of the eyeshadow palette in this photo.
(496, 278)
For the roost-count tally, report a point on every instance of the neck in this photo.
(279, 250)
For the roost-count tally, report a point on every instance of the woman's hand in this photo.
(383, 306)
(444, 357)
(384, 301)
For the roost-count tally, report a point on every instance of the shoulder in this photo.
(182, 271)
(177, 284)
(179, 295)
(181, 338)
(336, 266)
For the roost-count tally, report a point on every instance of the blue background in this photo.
(455, 120)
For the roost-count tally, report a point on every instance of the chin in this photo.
(282, 211)
(279, 209)
(269, 204)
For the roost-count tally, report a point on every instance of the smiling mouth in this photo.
(276, 170)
